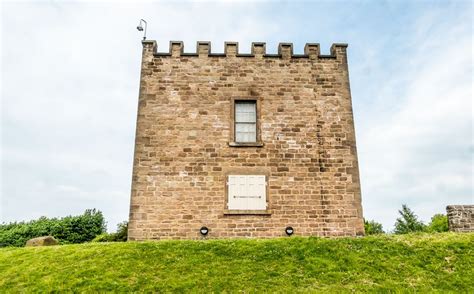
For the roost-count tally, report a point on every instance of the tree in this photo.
(408, 222)
(119, 236)
(67, 230)
(372, 227)
(439, 223)
(122, 232)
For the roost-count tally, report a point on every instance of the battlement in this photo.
(258, 49)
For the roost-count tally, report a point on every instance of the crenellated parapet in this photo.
(258, 50)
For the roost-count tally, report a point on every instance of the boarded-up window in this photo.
(246, 192)
(245, 121)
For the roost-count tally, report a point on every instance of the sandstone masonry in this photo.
(460, 218)
(186, 152)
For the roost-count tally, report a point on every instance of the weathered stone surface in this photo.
(42, 241)
(184, 149)
(460, 218)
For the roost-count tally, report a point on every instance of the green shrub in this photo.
(439, 224)
(122, 232)
(69, 229)
(119, 236)
(373, 227)
(408, 222)
(104, 237)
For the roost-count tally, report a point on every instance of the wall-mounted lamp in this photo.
(204, 231)
(289, 231)
(141, 29)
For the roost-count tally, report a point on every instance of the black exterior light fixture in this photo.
(204, 231)
(289, 231)
(141, 29)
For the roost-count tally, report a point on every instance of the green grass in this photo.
(419, 262)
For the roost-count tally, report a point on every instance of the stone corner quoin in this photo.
(245, 145)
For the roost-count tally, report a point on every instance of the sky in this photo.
(69, 91)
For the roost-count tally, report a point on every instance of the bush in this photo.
(120, 236)
(373, 227)
(122, 232)
(104, 237)
(408, 222)
(439, 223)
(69, 229)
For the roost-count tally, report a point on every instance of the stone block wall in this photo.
(183, 149)
(460, 218)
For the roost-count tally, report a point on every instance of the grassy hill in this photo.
(412, 262)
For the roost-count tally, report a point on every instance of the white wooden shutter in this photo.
(246, 192)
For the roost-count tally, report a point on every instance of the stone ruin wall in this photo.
(460, 218)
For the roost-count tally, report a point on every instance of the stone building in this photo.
(245, 145)
(460, 218)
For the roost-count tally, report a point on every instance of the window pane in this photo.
(245, 132)
(245, 111)
(245, 127)
(244, 117)
(245, 137)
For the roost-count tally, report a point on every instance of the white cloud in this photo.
(421, 154)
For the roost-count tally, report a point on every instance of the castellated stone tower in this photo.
(245, 145)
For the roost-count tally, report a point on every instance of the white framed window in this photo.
(245, 121)
(246, 192)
